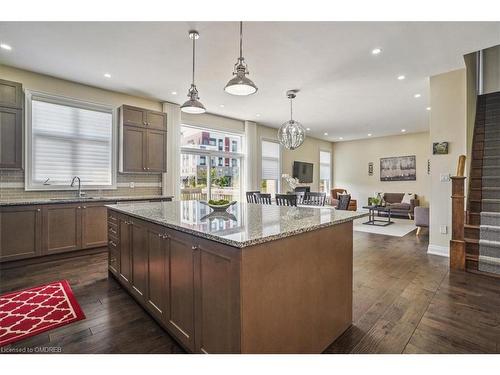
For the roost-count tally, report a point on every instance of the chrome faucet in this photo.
(80, 194)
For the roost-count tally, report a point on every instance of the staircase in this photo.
(482, 231)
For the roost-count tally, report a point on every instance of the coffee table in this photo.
(371, 216)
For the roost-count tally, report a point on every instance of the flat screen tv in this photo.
(303, 171)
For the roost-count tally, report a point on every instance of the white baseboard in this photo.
(443, 251)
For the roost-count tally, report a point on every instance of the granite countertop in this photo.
(36, 201)
(244, 224)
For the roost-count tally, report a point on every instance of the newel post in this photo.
(457, 243)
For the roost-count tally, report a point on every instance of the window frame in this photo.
(280, 168)
(31, 95)
(329, 170)
(216, 153)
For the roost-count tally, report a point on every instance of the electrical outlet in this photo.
(444, 177)
(443, 229)
(132, 185)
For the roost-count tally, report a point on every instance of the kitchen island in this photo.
(255, 279)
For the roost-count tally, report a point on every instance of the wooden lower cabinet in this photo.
(158, 255)
(125, 249)
(192, 285)
(180, 315)
(62, 228)
(94, 229)
(20, 232)
(139, 255)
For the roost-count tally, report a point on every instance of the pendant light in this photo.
(240, 84)
(291, 134)
(193, 104)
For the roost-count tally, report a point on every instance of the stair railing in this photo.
(457, 242)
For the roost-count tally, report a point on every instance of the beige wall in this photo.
(308, 152)
(350, 166)
(448, 122)
(491, 70)
(12, 182)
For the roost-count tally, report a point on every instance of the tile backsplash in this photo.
(12, 187)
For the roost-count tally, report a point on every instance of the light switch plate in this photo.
(443, 229)
(444, 177)
(132, 185)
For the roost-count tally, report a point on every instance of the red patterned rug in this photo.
(28, 312)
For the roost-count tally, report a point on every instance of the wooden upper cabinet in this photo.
(133, 149)
(156, 157)
(133, 116)
(156, 120)
(11, 143)
(61, 228)
(143, 118)
(20, 232)
(11, 94)
(143, 144)
(94, 226)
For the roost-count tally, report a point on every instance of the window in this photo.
(270, 167)
(67, 138)
(210, 169)
(325, 171)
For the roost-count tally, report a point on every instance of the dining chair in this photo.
(263, 198)
(251, 197)
(344, 200)
(286, 199)
(314, 199)
(299, 194)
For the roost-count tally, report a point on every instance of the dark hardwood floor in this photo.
(405, 301)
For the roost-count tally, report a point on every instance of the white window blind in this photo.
(69, 139)
(270, 160)
(324, 165)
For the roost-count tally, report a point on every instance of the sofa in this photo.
(334, 200)
(393, 200)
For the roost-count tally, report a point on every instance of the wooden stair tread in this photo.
(470, 226)
(471, 240)
(472, 257)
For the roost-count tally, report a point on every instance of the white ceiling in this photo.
(344, 89)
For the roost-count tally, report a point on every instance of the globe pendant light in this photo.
(240, 84)
(291, 134)
(193, 104)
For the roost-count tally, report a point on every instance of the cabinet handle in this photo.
(84, 207)
(37, 210)
(144, 123)
(112, 230)
(166, 236)
(112, 243)
(78, 207)
(194, 247)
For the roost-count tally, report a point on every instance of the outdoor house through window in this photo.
(270, 167)
(210, 164)
(325, 171)
(67, 138)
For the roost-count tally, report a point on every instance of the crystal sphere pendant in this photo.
(291, 134)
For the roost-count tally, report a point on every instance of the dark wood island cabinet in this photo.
(218, 285)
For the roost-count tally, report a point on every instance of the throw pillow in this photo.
(407, 198)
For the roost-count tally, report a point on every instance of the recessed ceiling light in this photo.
(5, 46)
(258, 115)
(401, 77)
(417, 96)
(107, 75)
(174, 92)
(428, 108)
(376, 51)
(341, 138)
(403, 130)
(308, 129)
(369, 134)
(222, 105)
(325, 133)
